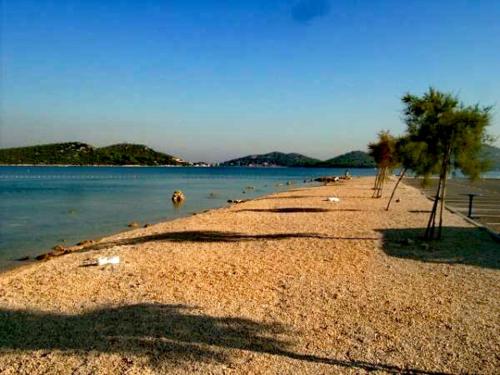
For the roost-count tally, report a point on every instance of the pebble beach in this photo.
(287, 283)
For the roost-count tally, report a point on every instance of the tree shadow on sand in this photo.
(472, 246)
(213, 236)
(287, 210)
(286, 197)
(166, 335)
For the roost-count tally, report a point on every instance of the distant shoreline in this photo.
(180, 166)
(95, 165)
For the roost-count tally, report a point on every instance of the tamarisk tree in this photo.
(449, 135)
(384, 154)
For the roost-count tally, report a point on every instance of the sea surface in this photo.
(41, 207)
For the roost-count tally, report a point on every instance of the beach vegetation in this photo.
(384, 153)
(443, 134)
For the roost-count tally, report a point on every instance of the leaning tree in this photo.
(410, 156)
(383, 152)
(451, 135)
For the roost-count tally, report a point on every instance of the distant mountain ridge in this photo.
(358, 159)
(492, 154)
(77, 153)
(272, 159)
(353, 159)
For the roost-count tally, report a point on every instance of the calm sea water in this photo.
(44, 206)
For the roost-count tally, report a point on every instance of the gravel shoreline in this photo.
(287, 283)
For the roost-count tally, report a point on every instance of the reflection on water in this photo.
(43, 206)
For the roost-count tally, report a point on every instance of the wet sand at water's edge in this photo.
(288, 283)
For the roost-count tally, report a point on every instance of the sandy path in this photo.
(288, 283)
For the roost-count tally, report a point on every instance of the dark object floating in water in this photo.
(178, 196)
(23, 258)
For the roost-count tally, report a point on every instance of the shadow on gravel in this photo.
(165, 335)
(214, 236)
(287, 197)
(471, 246)
(288, 210)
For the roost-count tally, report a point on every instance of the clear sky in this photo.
(212, 80)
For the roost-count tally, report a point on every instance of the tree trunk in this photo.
(381, 183)
(443, 191)
(401, 175)
(429, 232)
(443, 194)
(383, 177)
(377, 181)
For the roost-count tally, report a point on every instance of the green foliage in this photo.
(440, 130)
(443, 133)
(75, 153)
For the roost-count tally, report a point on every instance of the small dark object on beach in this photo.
(133, 224)
(85, 243)
(146, 225)
(58, 250)
(398, 200)
(327, 179)
(23, 258)
(237, 200)
(44, 256)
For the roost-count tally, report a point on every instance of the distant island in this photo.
(353, 159)
(492, 154)
(76, 153)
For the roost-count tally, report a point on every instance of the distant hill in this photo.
(358, 159)
(273, 159)
(354, 159)
(76, 153)
(493, 154)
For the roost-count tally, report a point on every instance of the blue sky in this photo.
(211, 80)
